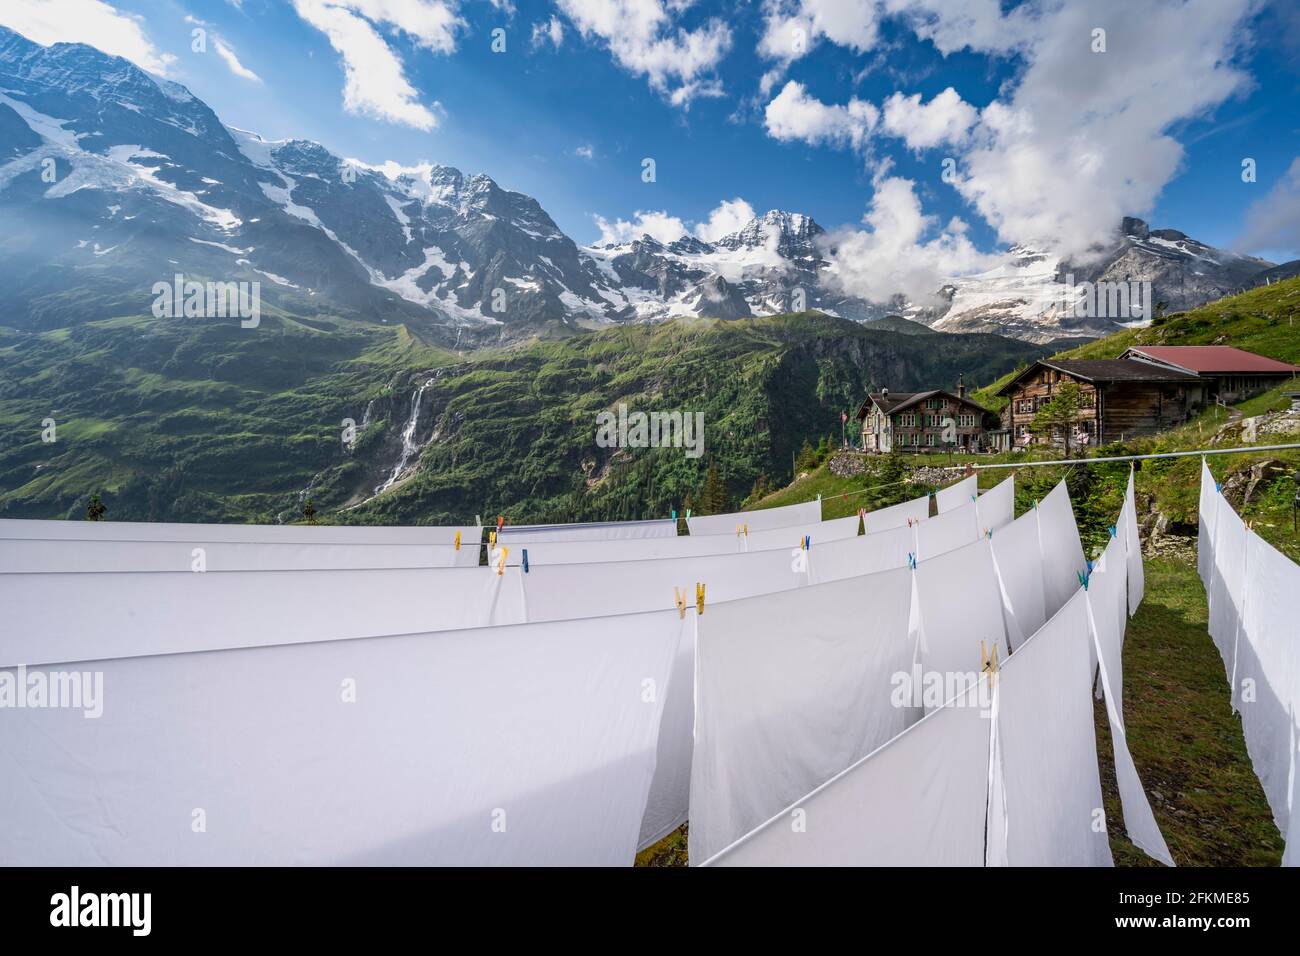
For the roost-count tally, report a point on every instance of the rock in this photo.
(846, 464)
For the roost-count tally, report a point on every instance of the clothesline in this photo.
(1166, 454)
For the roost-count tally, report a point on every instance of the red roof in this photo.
(1209, 359)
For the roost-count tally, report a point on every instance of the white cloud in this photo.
(1078, 139)
(552, 30)
(792, 27)
(232, 61)
(945, 119)
(1084, 138)
(794, 115)
(1273, 222)
(375, 80)
(892, 256)
(730, 216)
(656, 225)
(644, 41)
(585, 151)
(93, 22)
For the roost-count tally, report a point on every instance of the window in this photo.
(929, 439)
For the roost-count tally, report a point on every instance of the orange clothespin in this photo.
(457, 540)
(699, 598)
(501, 562)
(679, 596)
(501, 520)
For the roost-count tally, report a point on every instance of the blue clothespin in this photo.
(1218, 486)
(974, 497)
(674, 514)
(1083, 578)
(807, 542)
(1114, 531)
(525, 560)
(911, 560)
(988, 533)
(1090, 565)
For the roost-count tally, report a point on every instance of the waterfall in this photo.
(409, 446)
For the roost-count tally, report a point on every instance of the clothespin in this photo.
(674, 514)
(1114, 531)
(679, 597)
(819, 497)
(1218, 486)
(807, 542)
(989, 662)
(699, 597)
(501, 520)
(501, 563)
(492, 538)
(862, 512)
(911, 560)
(478, 521)
(457, 540)
(1084, 576)
(974, 497)
(688, 514)
(737, 531)
(525, 557)
(1089, 564)
(746, 529)
(988, 533)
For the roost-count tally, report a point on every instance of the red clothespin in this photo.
(501, 520)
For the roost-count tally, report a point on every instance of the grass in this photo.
(1185, 741)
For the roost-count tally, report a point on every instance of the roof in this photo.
(1209, 359)
(896, 401)
(1106, 371)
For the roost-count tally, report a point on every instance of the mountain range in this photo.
(112, 179)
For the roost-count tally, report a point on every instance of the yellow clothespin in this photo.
(457, 540)
(492, 538)
(699, 597)
(737, 531)
(746, 529)
(501, 563)
(989, 663)
(680, 597)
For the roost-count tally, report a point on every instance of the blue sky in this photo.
(570, 122)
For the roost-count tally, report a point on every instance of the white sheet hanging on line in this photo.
(897, 516)
(257, 533)
(64, 555)
(525, 534)
(92, 616)
(669, 798)
(1267, 685)
(1062, 552)
(527, 745)
(761, 520)
(956, 495)
(685, 546)
(1133, 548)
(960, 606)
(917, 801)
(947, 532)
(1209, 505)
(866, 554)
(790, 689)
(1048, 753)
(997, 506)
(1020, 572)
(558, 591)
(1227, 583)
(1107, 609)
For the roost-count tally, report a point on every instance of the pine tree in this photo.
(309, 511)
(714, 500)
(1061, 414)
(95, 509)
